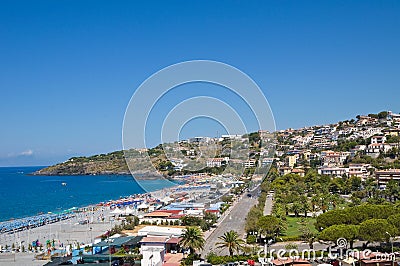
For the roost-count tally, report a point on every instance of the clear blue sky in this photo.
(69, 68)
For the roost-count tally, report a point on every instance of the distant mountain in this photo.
(112, 163)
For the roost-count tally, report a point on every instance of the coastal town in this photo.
(327, 189)
(200, 133)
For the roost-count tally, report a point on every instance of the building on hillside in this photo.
(291, 160)
(215, 162)
(391, 132)
(249, 163)
(357, 149)
(284, 170)
(394, 119)
(378, 139)
(231, 137)
(197, 140)
(384, 176)
(267, 161)
(375, 149)
(332, 158)
(366, 121)
(359, 170)
(298, 171)
(333, 171)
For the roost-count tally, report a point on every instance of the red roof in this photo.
(216, 211)
(173, 240)
(176, 216)
(158, 214)
(172, 211)
(153, 239)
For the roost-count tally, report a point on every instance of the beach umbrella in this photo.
(143, 206)
(116, 211)
(167, 199)
(129, 211)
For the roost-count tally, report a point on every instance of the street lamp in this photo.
(91, 237)
(391, 241)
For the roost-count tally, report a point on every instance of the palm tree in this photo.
(314, 202)
(192, 238)
(305, 205)
(296, 208)
(231, 241)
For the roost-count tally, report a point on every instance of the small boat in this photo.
(63, 184)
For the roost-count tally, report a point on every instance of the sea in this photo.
(23, 194)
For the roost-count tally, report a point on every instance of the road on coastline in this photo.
(234, 220)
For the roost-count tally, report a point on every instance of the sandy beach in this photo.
(82, 228)
(63, 233)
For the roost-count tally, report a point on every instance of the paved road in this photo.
(268, 204)
(233, 220)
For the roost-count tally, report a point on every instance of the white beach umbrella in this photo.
(116, 211)
(167, 199)
(143, 206)
(128, 211)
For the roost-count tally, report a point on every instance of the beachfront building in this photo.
(160, 231)
(160, 245)
(160, 251)
(165, 216)
(113, 244)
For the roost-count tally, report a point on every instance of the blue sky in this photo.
(69, 68)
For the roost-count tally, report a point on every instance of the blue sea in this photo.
(25, 195)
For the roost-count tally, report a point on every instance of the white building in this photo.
(378, 139)
(215, 162)
(359, 170)
(153, 251)
(334, 171)
(249, 163)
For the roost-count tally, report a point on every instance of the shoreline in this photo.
(55, 211)
(83, 226)
(56, 216)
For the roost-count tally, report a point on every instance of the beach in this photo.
(72, 231)
(76, 228)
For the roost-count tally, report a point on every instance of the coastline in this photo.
(89, 205)
(80, 226)
(26, 195)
